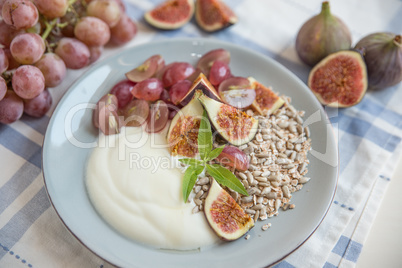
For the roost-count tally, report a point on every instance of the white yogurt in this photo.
(139, 192)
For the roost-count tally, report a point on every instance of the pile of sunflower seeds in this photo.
(278, 165)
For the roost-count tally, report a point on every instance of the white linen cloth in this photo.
(369, 136)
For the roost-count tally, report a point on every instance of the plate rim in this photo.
(181, 40)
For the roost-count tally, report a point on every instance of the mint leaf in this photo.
(226, 178)
(189, 179)
(204, 137)
(191, 161)
(215, 153)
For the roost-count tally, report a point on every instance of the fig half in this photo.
(171, 14)
(266, 101)
(224, 215)
(183, 131)
(232, 124)
(340, 79)
(214, 15)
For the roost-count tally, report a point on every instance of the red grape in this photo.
(7, 33)
(38, 106)
(3, 61)
(147, 69)
(73, 52)
(194, 75)
(11, 108)
(176, 72)
(27, 48)
(135, 113)
(3, 88)
(165, 96)
(219, 72)
(92, 31)
(234, 157)
(158, 117)
(179, 90)
(21, 14)
(52, 8)
(121, 5)
(122, 91)
(150, 89)
(172, 113)
(107, 10)
(53, 69)
(106, 100)
(28, 81)
(12, 63)
(237, 91)
(95, 53)
(236, 82)
(206, 61)
(239, 98)
(109, 121)
(123, 31)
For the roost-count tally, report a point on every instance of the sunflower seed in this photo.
(286, 192)
(203, 181)
(250, 211)
(242, 176)
(199, 194)
(303, 180)
(307, 131)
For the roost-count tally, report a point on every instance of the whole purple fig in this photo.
(383, 56)
(322, 35)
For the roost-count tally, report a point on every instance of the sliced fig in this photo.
(266, 101)
(171, 14)
(224, 215)
(183, 131)
(214, 15)
(232, 124)
(322, 35)
(340, 79)
(201, 83)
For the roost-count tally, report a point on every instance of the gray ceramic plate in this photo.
(70, 137)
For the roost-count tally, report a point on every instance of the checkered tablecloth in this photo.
(369, 137)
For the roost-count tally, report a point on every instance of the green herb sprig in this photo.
(196, 167)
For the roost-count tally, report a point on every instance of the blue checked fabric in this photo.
(369, 137)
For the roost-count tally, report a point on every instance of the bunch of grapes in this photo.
(41, 39)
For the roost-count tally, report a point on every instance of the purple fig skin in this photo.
(322, 35)
(383, 56)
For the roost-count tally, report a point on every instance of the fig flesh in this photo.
(183, 131)
(214, 15)
(322, 35)
(171, 14)
(383, 56)
(266, 101)
(340, 79)
(203, 84)
(232, 124)
(224, 215)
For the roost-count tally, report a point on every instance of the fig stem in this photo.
(325, 9)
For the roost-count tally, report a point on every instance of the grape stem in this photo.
(49, 28)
